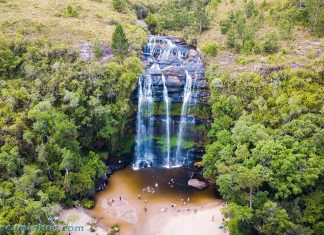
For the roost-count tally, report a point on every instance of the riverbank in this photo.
(203, 220)
(145, 202)
(81, 220)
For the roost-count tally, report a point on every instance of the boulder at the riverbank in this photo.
(197, 184)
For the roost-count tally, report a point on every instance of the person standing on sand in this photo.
(139, 196)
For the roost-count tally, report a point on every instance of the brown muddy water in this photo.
(161, 194)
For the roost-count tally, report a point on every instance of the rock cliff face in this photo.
(172, 105)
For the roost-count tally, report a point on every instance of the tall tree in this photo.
(120, 42)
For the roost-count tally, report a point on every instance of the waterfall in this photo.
(167, 121)
(183, 120)
(167, 81)
(144, 120)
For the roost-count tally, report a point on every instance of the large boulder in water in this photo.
(175, 71)
(197, 184)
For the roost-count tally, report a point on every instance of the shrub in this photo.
(270, 44)
(250, 9)
(210, 49)
(312, 54)
(190, 35)
(71, 11)
(9, 60)
(114, 229)
(97, 49)
(248, 47)
(120, 43)
(87, 203)
(152, 22)
(225, 25)
(141, 11)
(119, 5)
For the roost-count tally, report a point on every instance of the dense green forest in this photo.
(266, 154)
(61, 118)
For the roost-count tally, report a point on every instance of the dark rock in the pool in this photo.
(197, 184)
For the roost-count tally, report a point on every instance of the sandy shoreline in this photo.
(81, 217)
(189, 221)
(153, 213)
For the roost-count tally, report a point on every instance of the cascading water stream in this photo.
(183, 122)
(167, 121)
(167, 82)
(144, 127)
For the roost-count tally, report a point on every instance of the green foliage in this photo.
(152, 22)
(180, 15)
(210, 49)
(57, 115)
(114, 229)
(240, 32)
(190, 36)
(71, 11)
(265, 153)
(9, 60)
(309, 14)
(250, 9)
(97, 49)
(119, 5)
(87, 203)
(270, 44)
(120, 43)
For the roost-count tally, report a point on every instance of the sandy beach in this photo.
(145, 203)
(152, 213)
(81, 217)
(205, 221)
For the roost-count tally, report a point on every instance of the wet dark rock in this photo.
(173, 81)
(200, 84)
(174, 71)
(154, 70)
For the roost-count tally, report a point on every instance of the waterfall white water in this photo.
(167, 120)
(144, 127)
(183, 122)
(165, 58)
